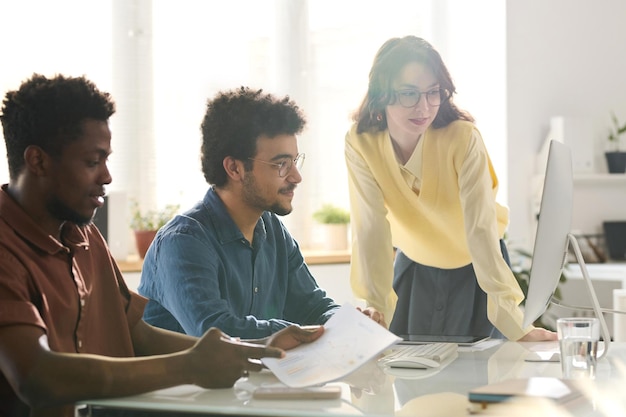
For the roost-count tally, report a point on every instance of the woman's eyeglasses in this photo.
(409, 97)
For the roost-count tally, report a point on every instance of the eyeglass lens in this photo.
(286, 165)
(410, 97)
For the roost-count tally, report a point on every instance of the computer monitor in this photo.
(553, 238)
(553, 226)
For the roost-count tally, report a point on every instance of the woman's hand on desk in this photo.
(538, 335)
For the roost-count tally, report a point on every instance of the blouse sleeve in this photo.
(476, 183)
(371, 268)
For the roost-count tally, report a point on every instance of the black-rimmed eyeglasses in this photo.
(409, 97)
(285, 165)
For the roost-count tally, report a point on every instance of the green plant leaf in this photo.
(151, 219)
(617, 130)
(330, 214)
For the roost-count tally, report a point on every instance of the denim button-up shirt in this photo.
(200, 272)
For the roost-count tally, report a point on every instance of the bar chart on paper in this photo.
(350, 339)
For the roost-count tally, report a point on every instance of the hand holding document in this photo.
(350, 339)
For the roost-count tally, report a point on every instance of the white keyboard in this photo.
(429, 355)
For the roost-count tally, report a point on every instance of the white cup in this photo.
(578, 341)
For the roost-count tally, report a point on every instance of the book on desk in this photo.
(559, 390)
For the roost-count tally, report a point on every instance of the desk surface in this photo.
(376, 391)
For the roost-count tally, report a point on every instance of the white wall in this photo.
(335, 280)
(564, 57)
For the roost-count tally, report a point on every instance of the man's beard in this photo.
(279, 210)
(251, 197)
(64, 213)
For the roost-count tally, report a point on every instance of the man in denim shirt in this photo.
(229, 262)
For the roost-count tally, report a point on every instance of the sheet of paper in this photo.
(350, 339)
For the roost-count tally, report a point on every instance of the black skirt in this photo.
(435, 301)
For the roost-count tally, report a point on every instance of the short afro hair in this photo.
(233, 122)
(48, 112)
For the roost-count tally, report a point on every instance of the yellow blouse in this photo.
(439, 209)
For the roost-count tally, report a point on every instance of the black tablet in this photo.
(426, 338)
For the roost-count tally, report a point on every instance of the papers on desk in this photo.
(350, 339)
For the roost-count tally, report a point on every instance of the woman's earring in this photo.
(379, 117)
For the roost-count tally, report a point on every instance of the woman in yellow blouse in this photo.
(421, 182)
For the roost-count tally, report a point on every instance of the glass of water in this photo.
(578, 341)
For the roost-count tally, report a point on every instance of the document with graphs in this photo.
(350, 339)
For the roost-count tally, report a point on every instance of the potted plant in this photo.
(146, 224)
(615, 158)
(335, 222)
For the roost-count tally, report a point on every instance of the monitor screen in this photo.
(553, 226)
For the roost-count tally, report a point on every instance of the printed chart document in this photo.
(350, 339)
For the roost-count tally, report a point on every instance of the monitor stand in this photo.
(604, 329)
(551, 356)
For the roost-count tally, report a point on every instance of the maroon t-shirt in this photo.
(72, 289)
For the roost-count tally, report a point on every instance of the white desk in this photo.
(374, 391)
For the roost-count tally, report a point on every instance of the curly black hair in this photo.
(48, 112)
(233, 122)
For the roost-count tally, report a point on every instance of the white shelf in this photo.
(610, 271)
(608, 179)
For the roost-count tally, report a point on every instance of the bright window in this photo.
(49, 37)
(319, 55)
(162, 60)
